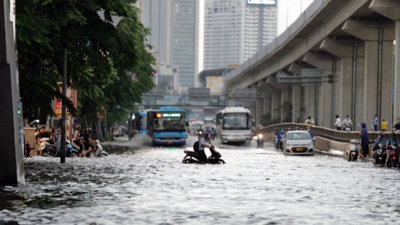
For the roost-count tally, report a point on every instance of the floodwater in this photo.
(146, 185)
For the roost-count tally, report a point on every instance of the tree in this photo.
(101, 59)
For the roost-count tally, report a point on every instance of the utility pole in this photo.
(64, 93)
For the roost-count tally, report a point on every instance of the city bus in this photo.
(167, 126)
(137, 124)
(234, 125)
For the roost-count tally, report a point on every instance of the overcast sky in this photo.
(289, 11)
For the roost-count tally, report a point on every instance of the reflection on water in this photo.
(144, 185)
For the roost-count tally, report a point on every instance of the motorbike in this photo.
(46, 149)
(99, 151)
(352, 151)
(70, 151)
(260, 140)
(392, 160)
(380, 155)
(193, 157)
(346, 128)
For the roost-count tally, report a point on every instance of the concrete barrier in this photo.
(323, 145)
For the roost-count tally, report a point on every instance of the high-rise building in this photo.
(173, 25)
(234, 30)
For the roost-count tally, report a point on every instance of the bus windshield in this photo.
(170, 124)
(236, 121)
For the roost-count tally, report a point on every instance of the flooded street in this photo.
(146, 185)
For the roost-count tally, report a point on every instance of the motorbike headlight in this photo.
(260, 135)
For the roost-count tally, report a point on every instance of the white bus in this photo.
(234, 125)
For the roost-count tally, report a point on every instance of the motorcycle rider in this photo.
(279, 136)
(347, 123)
(390, 142)
(202, 145)
(379, 140)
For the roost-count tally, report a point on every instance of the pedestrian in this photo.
(383, 125)
(396, 127)
(375, 123)
(309, 121)
(338, 123)
(364, 140)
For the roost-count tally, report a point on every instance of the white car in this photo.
(298, 142)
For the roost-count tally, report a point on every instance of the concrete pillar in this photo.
(378, 61)
(344, 83)
(396, 111)
(324, 107)
(259, 110)
(371, 85)
(11, 152)
(391, 10)
(309, 101)
(351, 61)
(296, 103)
(359, 91)
(267, 104)
(284, 100)
(275, 104)
(324, 100)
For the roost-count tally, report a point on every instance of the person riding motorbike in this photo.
(202, 145)
(379, 140)
(391, 142)
(279, 136)
(347, 123)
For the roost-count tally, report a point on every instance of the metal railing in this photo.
(331, 134)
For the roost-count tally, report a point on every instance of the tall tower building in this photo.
(234, 30)
(173, 25)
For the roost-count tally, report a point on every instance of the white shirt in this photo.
(347, 122)
(202, 141)
(338, 122)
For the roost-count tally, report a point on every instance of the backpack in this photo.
(196, 146)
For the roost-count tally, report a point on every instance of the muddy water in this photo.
(145, 185)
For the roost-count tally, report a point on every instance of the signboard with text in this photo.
(71, 94)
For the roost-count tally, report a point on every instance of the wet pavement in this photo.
(146, 185)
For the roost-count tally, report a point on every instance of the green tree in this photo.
(102, 58)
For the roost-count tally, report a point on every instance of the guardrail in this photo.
(331, 134)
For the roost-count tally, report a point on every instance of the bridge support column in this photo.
(391, 9)
(283, 104)
(359, 95)
(267, 105)
(296, 102)
(344, 82)
(396, 113)
(325, 113)
(11, 155)
(310, 104)
(259, 110)
(275, 105)
(378, 67)
(378, 80)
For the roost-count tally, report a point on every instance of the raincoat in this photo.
(364, 140)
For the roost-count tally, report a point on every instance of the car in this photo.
(298, 142)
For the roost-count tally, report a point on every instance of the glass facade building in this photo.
(234, 30)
